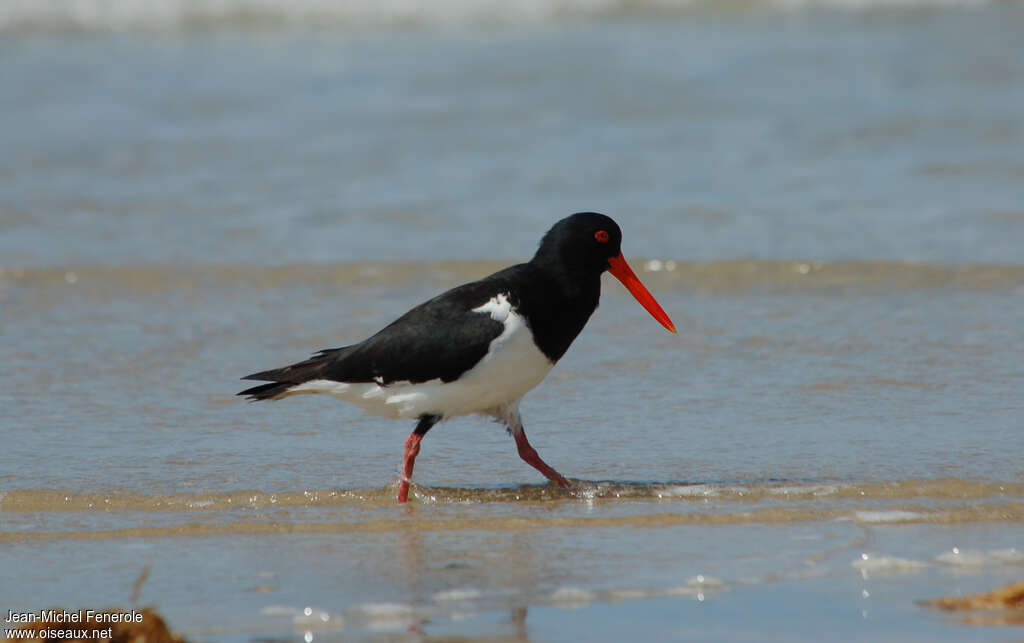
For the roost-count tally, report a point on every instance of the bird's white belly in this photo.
(512, 366)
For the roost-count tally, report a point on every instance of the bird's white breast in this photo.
(511, 367)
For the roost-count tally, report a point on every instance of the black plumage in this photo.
(556, 292)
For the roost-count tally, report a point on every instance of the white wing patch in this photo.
(498, 307)
(512, 366)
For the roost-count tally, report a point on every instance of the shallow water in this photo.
(804, 418)
(827, 203)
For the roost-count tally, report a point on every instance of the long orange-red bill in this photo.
(621, 270)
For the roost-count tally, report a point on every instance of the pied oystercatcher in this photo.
(477, 348)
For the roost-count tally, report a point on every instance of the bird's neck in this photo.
(559, 307)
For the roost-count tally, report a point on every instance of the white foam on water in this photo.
(386, 616)
(696, 586)
(813, 490)
(305, 617)
(629, 594)
(279, 610)
(311, 616)
(386, 611)
(976, 558)
(881, 564)
(704, 582)
(123, 15)
(964, 558)
(865, 5)
(688, 491)
(893, 515)
(1009, 556)
(465, 594)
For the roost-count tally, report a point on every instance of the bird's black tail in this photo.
(283, 379)
(267, 391)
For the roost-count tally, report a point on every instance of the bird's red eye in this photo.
(602, 236)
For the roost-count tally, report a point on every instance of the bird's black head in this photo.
(581, 243)
(577, 249)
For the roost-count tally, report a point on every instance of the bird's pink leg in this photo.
(529, 454)
(412, 449)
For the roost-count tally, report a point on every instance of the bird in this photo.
(477, 348)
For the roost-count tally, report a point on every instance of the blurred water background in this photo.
(825, 195)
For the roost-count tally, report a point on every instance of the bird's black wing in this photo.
(440, 339)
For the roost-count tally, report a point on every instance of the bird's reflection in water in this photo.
(416, 560)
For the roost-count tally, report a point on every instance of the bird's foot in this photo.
(561, 482)
(403, 489)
